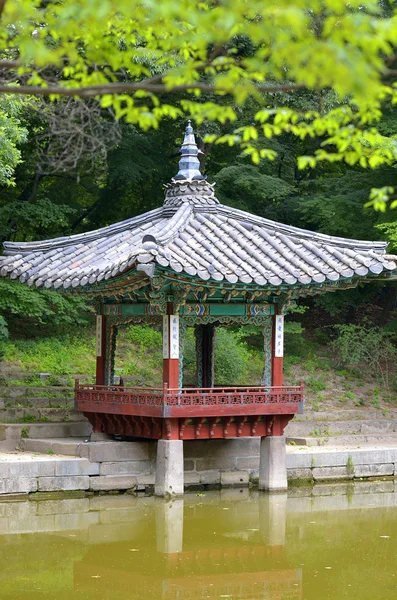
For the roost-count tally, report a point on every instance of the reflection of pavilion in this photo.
(193, 563)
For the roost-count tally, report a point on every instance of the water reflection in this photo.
(225, 546)
(228, 544)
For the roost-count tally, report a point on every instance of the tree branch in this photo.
(8, 64)
(2, 6)
(115, 88)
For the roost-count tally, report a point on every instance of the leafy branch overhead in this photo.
(149, 60)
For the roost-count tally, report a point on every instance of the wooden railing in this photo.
(179, 402)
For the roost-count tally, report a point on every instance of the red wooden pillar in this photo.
(170, 427)
(277, 348)
(171, 348)
(100, 350)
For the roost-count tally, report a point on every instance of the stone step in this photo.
(68, 446)
(370, 439)
(33, 391)
(33, 415)
(12, 434)
(316, 429)
(37, 403)
(9, 374)
(364, 414)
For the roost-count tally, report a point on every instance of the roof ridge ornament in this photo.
(189, 164)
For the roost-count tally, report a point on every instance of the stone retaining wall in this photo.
(105, 466)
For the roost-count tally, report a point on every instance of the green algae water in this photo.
(320, 544)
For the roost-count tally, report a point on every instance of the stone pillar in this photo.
(272, 464)
(205, 354)
(169, 526)
(171, 348)
(273, 518)
(169, 468)
(100, 349)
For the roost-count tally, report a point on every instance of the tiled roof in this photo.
(195, 235)
(206, 241)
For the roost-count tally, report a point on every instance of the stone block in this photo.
(76, 466)
(249, 463)
(31, 468)
(244, 446)
(191, 478)
(234, 478)
(73, 482)
(128, 467)
(15, 485)
(374, 470)
(113, 482)
(188, 465)
(117, 451)
(212, 477)
(299, 474)
(339, 458)
(320, 473)
(144, 481)
(211, 463)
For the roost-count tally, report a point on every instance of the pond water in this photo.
(328, 543)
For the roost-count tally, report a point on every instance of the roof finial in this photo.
(189, 164)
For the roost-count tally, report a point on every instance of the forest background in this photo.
(70, 166)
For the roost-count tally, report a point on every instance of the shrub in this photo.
(372, 347)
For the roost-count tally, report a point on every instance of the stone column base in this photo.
(272, 464)
(169, 468)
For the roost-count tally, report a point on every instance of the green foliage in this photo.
(28, 418)
(63, 355)
(231, 359)
(36, 219)
(12, 134)
(144, 336)
(3, 329)
(24, 432)
(246, 188)
(372, 347)
(148, 61)
(45, 309)
(316, 384)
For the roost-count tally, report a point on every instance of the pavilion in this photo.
(194, 262)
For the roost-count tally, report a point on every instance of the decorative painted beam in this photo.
(192, 309)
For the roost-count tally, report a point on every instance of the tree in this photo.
(12, 134)
(149, 60)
